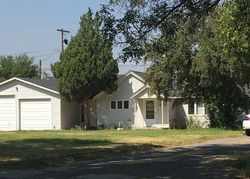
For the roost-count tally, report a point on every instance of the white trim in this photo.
(39, 98)
(119, 81)
(131, 73)
(32, 84)
(139, 91)
(116, 105)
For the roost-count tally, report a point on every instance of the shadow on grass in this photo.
(40, 153)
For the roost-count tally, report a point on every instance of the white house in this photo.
(33, 104)
(132, 105)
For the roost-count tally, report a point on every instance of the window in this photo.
(113, 104)
(199, 108)
(196, 108)
(125, 104)
(191, 108)
(119, 104)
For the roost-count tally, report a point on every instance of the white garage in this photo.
(7, 113)
(34, 104)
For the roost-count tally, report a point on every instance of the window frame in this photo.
(195, 108)
(122, 103)
(118, 104)
(126, 105)
(111, 104)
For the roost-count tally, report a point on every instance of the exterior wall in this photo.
(201, 120)
(180, 117)
(24, 91)
(118, 117)
(139, 114)
(70, 114)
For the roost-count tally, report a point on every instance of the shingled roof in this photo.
(50, 83)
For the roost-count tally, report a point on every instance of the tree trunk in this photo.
(85, 114)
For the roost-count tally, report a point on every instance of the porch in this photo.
(151, 112)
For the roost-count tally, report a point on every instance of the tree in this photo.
(19, 66)
(222, 65)
(209, 60)
(87, 66)
(196, 48)
(142, 19)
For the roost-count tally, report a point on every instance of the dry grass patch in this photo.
(36, 149)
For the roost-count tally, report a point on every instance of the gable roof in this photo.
(138, 75)
(48, 85)
(121, 77)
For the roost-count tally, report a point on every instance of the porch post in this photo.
(162, 111)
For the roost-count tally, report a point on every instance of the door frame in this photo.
(31, 99)
(149, 122)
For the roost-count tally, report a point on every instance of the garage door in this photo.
(35, 114)
(7, 113)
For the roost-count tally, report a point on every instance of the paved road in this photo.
(195, 161)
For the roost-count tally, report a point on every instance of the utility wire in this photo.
(29, 52)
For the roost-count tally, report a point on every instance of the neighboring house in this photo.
(132, 105)
(33, 104)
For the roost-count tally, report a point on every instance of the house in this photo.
(34, 104)
(133, 105)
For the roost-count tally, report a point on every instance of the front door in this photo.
(150, 113)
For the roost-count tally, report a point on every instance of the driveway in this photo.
(204, 160)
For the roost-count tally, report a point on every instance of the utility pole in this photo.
(62, 33)
(40, 69)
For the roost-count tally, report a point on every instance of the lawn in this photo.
(37, 149)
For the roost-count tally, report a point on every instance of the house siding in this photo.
(25, 91)
(139, 115)
(70, 114)
(118, 117)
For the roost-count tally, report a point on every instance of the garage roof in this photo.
(48, 85)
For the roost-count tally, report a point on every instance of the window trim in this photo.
(124, 104)
(195, 109)
(116, 105)
(111, 104)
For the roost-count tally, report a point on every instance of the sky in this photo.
(29, 26)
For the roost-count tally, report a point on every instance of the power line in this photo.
(29, 52)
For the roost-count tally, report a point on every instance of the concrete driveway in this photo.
(195, 161)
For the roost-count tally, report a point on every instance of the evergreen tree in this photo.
(87, 66)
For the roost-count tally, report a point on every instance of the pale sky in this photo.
(29, 26)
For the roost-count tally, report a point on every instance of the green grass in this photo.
(36, 149)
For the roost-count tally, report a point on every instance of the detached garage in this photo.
(34, 104)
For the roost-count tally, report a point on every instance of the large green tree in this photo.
(209, 60)
(18, 66)
(196, 48)
(87, 66)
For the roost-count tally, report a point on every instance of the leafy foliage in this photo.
(19, 66)
(205, 62)
(86, 67)
(141, 20)
(197, 49)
